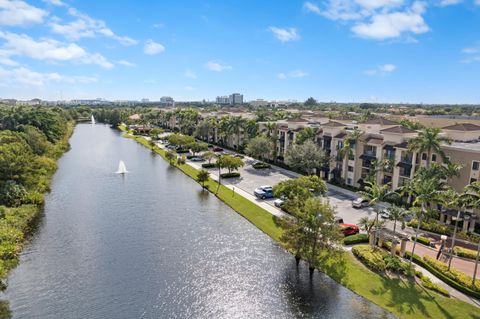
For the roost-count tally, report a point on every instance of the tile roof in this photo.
(381, 121)
(334, 124)
(402, 145)
(398, 129)
(463, 127)
(373, 140)
(340, 135)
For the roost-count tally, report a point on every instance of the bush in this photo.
(355, 239)
(427, 283)
(12, 194)
(230, 175)
(465, 252)
(453, 274)
(181, 160)
(209, 165)
(371, 257)
(261, 165)
(422, 240)
(442, 229)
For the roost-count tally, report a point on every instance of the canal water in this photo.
(151, 244)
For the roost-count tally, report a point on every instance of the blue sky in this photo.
(333, 50)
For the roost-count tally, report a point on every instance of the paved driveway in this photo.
(251, 178)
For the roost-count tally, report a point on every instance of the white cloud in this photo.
(190, 74)
(446, 3)
(126, 63)
(58, 3)
(20, 13)
(158, 25)
(377, 19)
(26, 77)
(309, 6)
(472, 55)
(217, 66)
(382, 69)
(292, 74)
(49, 50)
(189, 88)
(393, 25)
(375, 4)
(151, 48)
(86, 27)
(285, 35)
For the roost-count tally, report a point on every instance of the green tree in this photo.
(395, 214)
(305, 157)
(35, 138)
(297, 191)
(259, 147)
(12, 194)
(202, 177)
(155, 132)
(306, 134)
(170, 156)
(209, 156)
(376, 194)
(231, 163)
(197, 147)
(429, 141)
(310, 102)
(272, 133)
(348, 147)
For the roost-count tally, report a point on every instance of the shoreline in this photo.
(354, 274)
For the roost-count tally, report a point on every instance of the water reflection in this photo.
(152, 244)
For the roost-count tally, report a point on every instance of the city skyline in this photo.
(346, 51)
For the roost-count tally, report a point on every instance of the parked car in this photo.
(279, 202)
(264, 192)
(217, 149)
(339, 220)
(360, 203)
(197, 159)
(349, 229)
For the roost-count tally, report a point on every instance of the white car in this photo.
(279, 202)
(360, 203)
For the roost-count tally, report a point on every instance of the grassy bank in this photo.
(403, 298)
(16, 222)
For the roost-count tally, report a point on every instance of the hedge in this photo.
(443, 277)
(453, 274)
(355, 239)
(427, 283)
(371, 257)
(443, 229)
(261, 166)
(465, 252)
(230, 175)
(209, 165)
(422, 240)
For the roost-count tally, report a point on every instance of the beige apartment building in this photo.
(383, 151)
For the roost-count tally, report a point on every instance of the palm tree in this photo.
(272, 133)
(395, 214)
(472, 194)
(235, 125)
(429, 141)
(377, 193)
(348, 147)
(424, 187)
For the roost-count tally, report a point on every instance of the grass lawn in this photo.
(402, 298)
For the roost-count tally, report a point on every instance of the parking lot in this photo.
(251, 178)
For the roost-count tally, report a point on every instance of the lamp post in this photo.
(453, 240)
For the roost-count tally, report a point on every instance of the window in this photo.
(350, 168)
(424, 156)
(475, 165)
(434, 157)
(349, 181)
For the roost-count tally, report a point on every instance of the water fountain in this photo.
(93, 119)
(122, 169)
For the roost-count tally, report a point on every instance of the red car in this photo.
(349, 229)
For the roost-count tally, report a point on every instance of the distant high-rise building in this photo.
(145, 100)
(167, 101)
(223, 100)
(232, 99)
